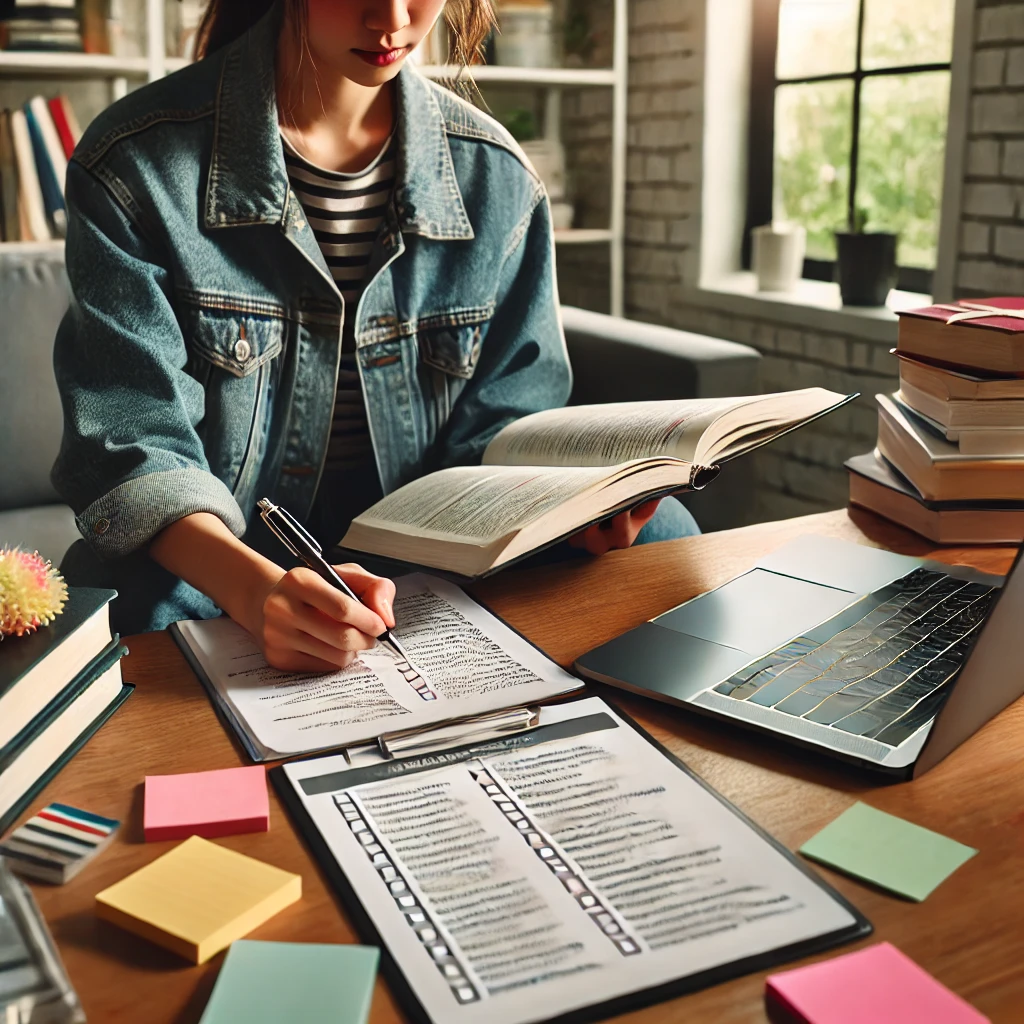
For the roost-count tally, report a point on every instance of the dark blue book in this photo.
(53, 193)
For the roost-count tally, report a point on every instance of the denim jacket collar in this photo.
(248, 182)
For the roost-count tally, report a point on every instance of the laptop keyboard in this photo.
(878, 669)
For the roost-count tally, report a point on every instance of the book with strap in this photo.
(571, 871)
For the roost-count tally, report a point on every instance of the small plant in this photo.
(32, 592)
(860, 220)
(521, 124)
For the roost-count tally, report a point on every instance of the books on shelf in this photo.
(42, 25)
(877, 487)
(549, 475)
(36, 142)
(57, 686)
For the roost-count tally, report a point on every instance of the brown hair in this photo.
(469, 22)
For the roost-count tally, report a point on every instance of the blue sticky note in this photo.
(270, 982)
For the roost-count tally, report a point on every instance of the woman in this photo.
(298, 270)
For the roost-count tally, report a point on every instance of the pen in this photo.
(301, 544)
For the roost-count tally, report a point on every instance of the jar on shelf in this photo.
(126, 28)
(526, 34)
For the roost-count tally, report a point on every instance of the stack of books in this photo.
(57, 687)
(36, 141)
(950, 457)
(41, 25)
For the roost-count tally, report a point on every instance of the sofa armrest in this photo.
(619, 360)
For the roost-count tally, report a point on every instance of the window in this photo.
(848, 110)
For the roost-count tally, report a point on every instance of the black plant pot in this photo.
(866, 267)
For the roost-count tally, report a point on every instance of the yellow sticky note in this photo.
(198, 898)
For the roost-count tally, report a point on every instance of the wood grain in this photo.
(969, 933)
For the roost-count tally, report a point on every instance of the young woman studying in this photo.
(300, 270)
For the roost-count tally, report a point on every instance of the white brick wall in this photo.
(802, 472)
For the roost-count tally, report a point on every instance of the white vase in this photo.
(778, 256)
(548, 159)
(525, 36)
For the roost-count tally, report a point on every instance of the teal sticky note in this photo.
(888, 851)
(270, 982)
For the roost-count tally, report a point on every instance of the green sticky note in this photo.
(888, 851)
(271, 982)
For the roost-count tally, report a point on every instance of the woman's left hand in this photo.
(619, 532)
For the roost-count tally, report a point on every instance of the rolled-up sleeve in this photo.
(131, 461)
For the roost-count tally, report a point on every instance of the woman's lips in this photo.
(381, 58)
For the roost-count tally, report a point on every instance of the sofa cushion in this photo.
(48, 529)
(33, 298)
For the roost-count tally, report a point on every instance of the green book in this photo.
(274, 982)
(34, 669)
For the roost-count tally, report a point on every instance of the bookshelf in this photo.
(122, 73)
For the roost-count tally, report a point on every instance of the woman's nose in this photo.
(388, 16)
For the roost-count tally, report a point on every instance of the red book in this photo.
(64, 129)
(969, 335)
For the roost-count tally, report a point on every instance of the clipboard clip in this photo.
(425, 738)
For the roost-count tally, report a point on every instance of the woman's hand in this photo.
(619, 532)
(306, 625)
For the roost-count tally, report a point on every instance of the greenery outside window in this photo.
(848, 111)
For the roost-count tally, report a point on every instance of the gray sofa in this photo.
(613, 360)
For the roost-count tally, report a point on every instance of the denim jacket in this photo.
(198, 360)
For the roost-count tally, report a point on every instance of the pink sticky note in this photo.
(878, 984)
(208, 804)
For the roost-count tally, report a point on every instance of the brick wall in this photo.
(802, 472)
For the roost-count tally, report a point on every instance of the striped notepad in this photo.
(55, 844)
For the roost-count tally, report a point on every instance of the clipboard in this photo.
(322, 779)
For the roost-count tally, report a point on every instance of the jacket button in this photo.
(242, 350)
(101, 526)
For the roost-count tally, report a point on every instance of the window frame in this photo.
(761, 141)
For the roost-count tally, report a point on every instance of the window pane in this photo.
(816, 37)
(902, 32)
(902, 147)
(813, 128)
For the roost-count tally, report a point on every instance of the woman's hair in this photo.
(469, 22)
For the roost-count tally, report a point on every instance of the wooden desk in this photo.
(970, 933)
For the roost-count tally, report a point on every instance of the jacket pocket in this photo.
(231, 353)
(451, 342)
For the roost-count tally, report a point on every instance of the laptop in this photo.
(875, 658)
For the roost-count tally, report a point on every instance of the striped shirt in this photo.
(345, 212)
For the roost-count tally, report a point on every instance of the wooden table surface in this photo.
(969, 933)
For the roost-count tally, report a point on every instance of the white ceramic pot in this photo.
(778, 256)
(548, 159)
(525, 36)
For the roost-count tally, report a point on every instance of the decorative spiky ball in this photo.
(32, 592)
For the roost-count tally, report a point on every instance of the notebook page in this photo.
(466, 662)
(527, 880)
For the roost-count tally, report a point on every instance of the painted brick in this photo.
(1015, 66)
(997, 112)
(989, 66)
(1013, 159)
(993, 278)
(1003, 23)
(1009, 243)
(990, 199)
(983, 158)
(975, 238)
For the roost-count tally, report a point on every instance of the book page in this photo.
(466, 661)
(605, 435)
(477, 503)
(537, 875)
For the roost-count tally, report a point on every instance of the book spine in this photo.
(49, 182)
(8, 181)
(29, 188)
(60, 122)
(72, 120)
(51, 140)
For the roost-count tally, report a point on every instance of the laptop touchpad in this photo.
(757, 612)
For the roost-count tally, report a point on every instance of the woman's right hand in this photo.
(306, 625)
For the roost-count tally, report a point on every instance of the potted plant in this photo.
(865, 263)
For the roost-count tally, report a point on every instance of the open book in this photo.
(551, 474)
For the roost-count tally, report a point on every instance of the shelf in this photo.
(582, 236)
(524, 76)
(35, 62)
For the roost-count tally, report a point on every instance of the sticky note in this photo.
(888, 851)
(209, 804)
(877, 984)
(198, 898)
(271, 982)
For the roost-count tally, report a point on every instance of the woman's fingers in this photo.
(376, 592)
(305, 585)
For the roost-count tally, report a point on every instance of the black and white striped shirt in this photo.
(345, 212)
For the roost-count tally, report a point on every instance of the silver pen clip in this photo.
(268, 511)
